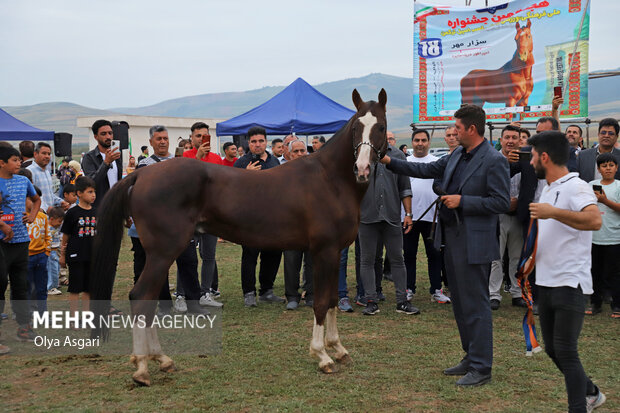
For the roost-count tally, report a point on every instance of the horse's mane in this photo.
(340, 131)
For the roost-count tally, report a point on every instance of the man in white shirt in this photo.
(422, 198)
(566, 213)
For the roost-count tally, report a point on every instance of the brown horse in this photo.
(171, 200)
(511, 84)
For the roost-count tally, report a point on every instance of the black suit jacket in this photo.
(484, 190)
(94, 168)
(586, 162)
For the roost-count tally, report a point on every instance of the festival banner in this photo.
(511, 59)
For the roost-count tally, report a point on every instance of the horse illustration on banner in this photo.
(511, 84)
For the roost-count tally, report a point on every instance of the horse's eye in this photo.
(381, 128)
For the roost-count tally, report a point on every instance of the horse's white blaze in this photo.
(363, 159)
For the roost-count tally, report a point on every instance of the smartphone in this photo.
(557, 92)
(525, 156)
(178, 152)
(207, 140)
(597, 188)
(116, 145)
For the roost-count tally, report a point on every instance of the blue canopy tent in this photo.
(12, 129)
(299, 109)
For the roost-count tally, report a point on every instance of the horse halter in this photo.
(378, 152)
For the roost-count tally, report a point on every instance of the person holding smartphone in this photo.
(201, 145)
(606, 241)
(103, 164)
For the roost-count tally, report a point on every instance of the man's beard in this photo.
(105, 144)
(540, 171)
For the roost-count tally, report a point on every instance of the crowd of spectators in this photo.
(395, 212)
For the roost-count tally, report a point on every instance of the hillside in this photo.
(61, 116)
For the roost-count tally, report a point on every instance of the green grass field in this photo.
(265, 366)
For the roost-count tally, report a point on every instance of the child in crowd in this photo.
(56, 216)
(38, 252)
(69, 195)
(606, 241)
(14, 189)
(78, 231)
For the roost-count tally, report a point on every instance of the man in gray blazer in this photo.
(607, 138)
(476, 183)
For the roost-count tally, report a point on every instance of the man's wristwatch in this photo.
(408, 214)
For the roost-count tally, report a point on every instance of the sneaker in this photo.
(194, 307)
(507, 288)
(593, 310)
(309, 301)
(594, 401)
(292, 305)
(249, 299)
(180, 306)
(270, 297)
(206, 300)
(361, 301)
(371, 308)
(54, 291)
(495, 304)
(407, 308)
(26, 333)
(344, 305)
(410, 294)
(440, 297)
(380, 296)
(215, 293)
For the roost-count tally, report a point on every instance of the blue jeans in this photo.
(37, 280)
(343, 290)
(53, 270)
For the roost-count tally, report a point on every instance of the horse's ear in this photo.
(357, 99)
(518, 26)
(382, 98)
(529, 24)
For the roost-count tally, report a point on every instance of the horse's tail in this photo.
(111, 215)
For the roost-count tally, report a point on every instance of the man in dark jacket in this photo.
(103, 164)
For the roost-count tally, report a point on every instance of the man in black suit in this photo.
(102, 164)
(476, 183)
(607, 138)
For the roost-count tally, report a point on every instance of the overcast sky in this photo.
(116, 53)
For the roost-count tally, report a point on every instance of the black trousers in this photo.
(606, 274)
(410, 248)
(187, 264)
(269, 265)
(469, 288)
(15, 267)
(292, 267)
(561, 312)
(139, 259)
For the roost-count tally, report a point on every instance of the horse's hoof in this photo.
(141, 379)
(329, 368)
(344, 359)
(168, 367)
